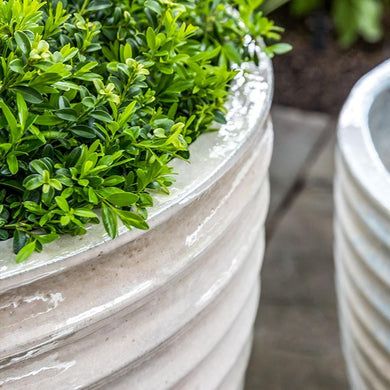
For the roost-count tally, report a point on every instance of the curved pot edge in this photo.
(354, 137)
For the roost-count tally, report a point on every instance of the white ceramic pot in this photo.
(362, 227)
(172, 307)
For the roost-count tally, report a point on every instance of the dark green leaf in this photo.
(98, 5)
(67, 114)
(30, 94)
(3, 234)
(102, 116)
(20, 239)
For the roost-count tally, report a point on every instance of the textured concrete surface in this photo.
(295, 140)
(296, 336)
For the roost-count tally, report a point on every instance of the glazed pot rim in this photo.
(212, 155)
(355, 141)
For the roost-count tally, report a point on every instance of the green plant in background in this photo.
(351, 18)
(97, 96)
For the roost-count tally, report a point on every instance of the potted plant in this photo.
(362, 247)
(100, 101)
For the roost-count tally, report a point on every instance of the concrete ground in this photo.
(296, 340)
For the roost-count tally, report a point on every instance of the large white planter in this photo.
(362, 227)
(172, 307)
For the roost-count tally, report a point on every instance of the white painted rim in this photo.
(354, 137)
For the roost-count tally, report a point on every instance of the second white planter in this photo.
(172, 307)
(362, 229)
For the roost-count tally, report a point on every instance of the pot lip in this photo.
(249, 106)
(355, 141)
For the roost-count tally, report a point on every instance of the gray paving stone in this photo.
(296, 343)
(296, 133)
(298, 265)
(294, 349)
(320, 174)
(288, 371)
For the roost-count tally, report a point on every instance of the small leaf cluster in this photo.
(98, 96)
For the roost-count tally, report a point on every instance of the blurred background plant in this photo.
(351, 19)
(335, 43)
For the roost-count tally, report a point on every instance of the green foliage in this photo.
(97, 96)
(352, 18)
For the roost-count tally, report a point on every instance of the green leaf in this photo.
(3, 235)
(67, 114)
(98, 5)
(67, 51)
(83, 131)
(304, 7)
(127, 113)
(47, 238)
(151, 38)
(102, 116)
(127, 52)
(65, 220)
(85, 213)
(25, 252)
(22, 110)
(20, 239)
(280, 48)
(44, 78)
(231, 52)
(12, 163)
(32, 182)
(33, 206)
(153, 6)
(31, 95)
(220, 117)
(62, 203)
(92, 197)
(12, 184)
(23, 42)
(41, 165)
(110, 221)
(5, 147)
(113, 180)
(17, 65)
(11, 120)
(369, 17)
(123, 199)
(47, 120)
(131, 219)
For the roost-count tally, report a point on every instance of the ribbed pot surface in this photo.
(362, 230)
(169, 308)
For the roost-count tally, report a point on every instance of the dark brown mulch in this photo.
(318, 75)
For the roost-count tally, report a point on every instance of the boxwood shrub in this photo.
(97, 96)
